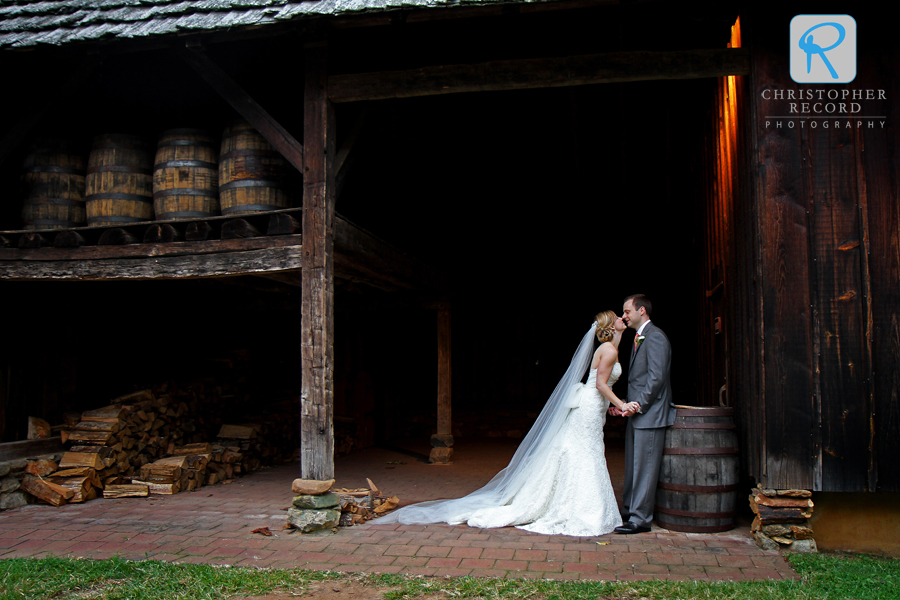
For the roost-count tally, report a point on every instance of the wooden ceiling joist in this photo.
(531, 73)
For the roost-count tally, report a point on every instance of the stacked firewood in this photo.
(118, 440)
(46, 481)
(782, 519)
(185, 471)
(362, 504)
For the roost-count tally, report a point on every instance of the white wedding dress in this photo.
(568, 490)
(557, 482)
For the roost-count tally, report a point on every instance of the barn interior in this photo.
(542, 206)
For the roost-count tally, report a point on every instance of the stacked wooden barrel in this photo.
(251, 172)
(119, 182)
(53, 177)
(185, 175)
(124, 183)
(698, 480)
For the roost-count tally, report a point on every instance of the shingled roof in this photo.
(26, 23)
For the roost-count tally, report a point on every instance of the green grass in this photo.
(826, 577)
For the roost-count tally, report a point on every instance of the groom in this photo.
(651, 411)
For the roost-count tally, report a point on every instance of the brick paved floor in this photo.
(213, 525)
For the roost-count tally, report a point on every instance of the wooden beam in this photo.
(359, 254)
(30, 448)
(539, 73)
(246, 106)
(317, 288)
(89, 253)
(444, 415)
(284, 258)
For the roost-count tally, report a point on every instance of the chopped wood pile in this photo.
(158, 441)
(782, 519)
(363, 504)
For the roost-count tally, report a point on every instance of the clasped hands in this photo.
(627, 410)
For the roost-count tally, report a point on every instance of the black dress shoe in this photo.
(631, 527)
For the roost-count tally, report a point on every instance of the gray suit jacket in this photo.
(648, 380)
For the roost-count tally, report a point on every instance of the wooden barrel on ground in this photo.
(53, 178)
(119, 182)
(698, 481)
(185, 175)
(251, 172)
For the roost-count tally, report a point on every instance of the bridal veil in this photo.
(500, 490)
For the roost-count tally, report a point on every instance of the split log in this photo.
(188, 449)
(80, 486)
(47, 492)
(166, 489)
(115, 412)
(96, 438)
(783, 501)
(769, 514)
(197, 462)
(76, 472)
(126, 491)
(81, 459)
(105, 426)
(40, 468)
(103, 451)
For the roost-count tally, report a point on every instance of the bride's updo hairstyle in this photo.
(605, 322)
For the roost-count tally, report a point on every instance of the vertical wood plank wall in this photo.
(878, 162)
(827, 412)
(730, 268)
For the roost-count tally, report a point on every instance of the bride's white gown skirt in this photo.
(565, 490)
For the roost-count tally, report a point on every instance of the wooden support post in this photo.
(317, 288)
(442, 443)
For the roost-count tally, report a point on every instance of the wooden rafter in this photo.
(539, 73)
(245, 106)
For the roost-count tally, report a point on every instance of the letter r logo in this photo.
(823, 48)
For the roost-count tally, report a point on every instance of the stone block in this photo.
(804, 546)
(307, 520)
(440, 455)
(13, 500)
(441, 440)
(311, 487)
(9, 484)
(764, 542)
(326, 500)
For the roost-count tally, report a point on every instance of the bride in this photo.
(557, 482)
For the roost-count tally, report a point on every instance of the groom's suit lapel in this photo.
(638, 349)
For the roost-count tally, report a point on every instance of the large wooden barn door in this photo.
(721, 248)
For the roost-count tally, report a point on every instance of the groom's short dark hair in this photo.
(639, 300)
